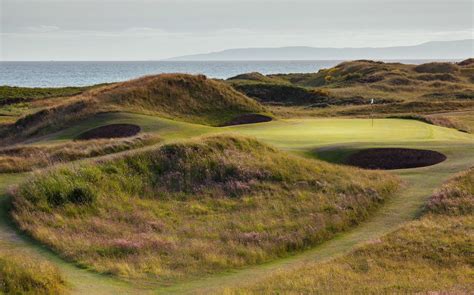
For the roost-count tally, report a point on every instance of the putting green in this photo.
(332, 138)
(292, 134)
(301, 134)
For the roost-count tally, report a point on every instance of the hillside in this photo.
(430, 255)
(430, 50)
(177, 96)
(194, 208)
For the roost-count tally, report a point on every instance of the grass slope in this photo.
(433, 254)
(177, 96)
(193, 208)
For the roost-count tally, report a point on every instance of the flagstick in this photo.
(372, 111)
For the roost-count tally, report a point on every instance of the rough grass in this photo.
(396, 89)
(461, 120)
(433, 254)
(22, 158)
(20, 274)
(177, 96)
(193, 208)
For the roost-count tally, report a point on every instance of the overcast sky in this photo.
(146, 29)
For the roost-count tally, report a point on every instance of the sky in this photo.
(158, 29)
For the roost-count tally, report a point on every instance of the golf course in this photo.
(180, 184)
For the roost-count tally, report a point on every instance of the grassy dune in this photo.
(177, 96)
(347, 89)
(432, 254)
(195, 214)
(194, 208)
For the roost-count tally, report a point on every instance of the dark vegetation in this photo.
(394, 158)
(432, 255)
(193, 208)
(110, 131)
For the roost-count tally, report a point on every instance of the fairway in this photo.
(330, 139)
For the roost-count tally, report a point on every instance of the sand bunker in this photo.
(110, 131)
(394, 158)
(248, 119)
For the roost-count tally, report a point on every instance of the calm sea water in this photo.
(56, 74)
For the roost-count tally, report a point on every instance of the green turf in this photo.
(311, 137)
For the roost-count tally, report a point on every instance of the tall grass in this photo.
(193, 208)
(21, 274)
(430, 255)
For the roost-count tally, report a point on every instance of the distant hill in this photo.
(459, 49)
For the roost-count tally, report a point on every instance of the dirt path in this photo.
(404, 207)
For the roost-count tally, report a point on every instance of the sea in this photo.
(83, 73)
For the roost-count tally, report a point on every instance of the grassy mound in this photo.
(456, 198)
(466, 62)
(177, 96)
(193, 208)
(254, 76)
(430, 255)
(22, 275)
(349, 88)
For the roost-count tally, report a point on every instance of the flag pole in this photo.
(372, 111)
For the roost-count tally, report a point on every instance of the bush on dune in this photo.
(192, 208)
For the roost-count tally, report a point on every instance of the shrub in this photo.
(56, 198)
(81, 196)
